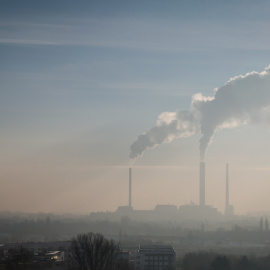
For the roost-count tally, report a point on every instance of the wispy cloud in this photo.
(132, 33)
(28, 42)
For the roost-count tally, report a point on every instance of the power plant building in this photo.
(164, 213)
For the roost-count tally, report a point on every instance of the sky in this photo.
(82, 80)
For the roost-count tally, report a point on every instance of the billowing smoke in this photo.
(242, 100)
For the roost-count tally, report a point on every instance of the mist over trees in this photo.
(62, 228)
(214, 261)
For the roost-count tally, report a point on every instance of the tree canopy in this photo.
(92, 252)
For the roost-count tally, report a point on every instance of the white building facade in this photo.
(155, 257)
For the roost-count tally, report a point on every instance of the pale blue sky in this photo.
(80, 80)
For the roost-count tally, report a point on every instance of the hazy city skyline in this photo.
(81, 81)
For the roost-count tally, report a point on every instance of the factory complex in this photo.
(184, 213)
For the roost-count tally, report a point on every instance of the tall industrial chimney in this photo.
(202, 184)
(130, 176)
(229, 210)
(227, 203)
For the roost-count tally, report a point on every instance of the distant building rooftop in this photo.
(156, 248)
(160, 257)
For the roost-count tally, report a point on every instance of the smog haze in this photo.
(91, 88)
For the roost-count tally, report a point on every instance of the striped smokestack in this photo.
(202, 184)
(130, 177)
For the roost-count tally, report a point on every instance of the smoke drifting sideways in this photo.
(242, 100)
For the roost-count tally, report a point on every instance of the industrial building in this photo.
(191, 212)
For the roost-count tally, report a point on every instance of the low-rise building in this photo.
(155, 257)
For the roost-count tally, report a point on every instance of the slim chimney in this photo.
(227, 186)
(130, 175)
(202, 184)
(229, 210)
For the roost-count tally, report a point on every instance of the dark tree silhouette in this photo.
(197, 261)
(261, 225)
(92, 252)
(17, 258)
(244, 264)
(220, 262)
(122, 264)
(266, 226)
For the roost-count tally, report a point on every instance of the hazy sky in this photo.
(81, 80)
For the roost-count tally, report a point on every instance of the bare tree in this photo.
(92, 252)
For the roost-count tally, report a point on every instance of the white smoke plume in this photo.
(242, 100)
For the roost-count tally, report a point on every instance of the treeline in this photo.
(51, 228)
(86, 251)
(213, 261)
